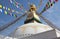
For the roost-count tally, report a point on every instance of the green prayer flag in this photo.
(15, 15)
(9, 9)
(6, 12)
(44, 9)
(3, 7)
(48, 4)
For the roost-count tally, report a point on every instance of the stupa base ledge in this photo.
(51, 34)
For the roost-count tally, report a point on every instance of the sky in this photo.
(52, 14)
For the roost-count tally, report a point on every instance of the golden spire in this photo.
(33, 7)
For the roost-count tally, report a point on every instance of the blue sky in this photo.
(52, 14)
(6, 18)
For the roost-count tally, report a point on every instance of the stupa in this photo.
(33, 27)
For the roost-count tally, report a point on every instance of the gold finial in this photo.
(32, 7)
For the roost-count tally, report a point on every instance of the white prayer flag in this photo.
(11, 1)
(0, 10)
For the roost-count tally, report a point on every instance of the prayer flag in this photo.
(15, 15)
(0, 10)
(3, 7)
(6, 12)
(49, 0)
(10, 14)
(13, 11)
(11, 1)
(9, 9)
(51, 4)
(0, 6)
(6, 8)
(56, 0)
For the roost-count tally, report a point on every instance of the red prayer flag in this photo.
(56, 0)
(21, 7)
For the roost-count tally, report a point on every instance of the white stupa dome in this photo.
(30, 29)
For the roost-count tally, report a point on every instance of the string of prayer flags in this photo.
(53, 3)
(49, 4)
(10, 14)
(14, 3)
(8, 11)
(14, 15)
(18, 5)
(5, 8)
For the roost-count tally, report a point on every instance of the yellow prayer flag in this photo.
(0, 6)
(9, 9)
